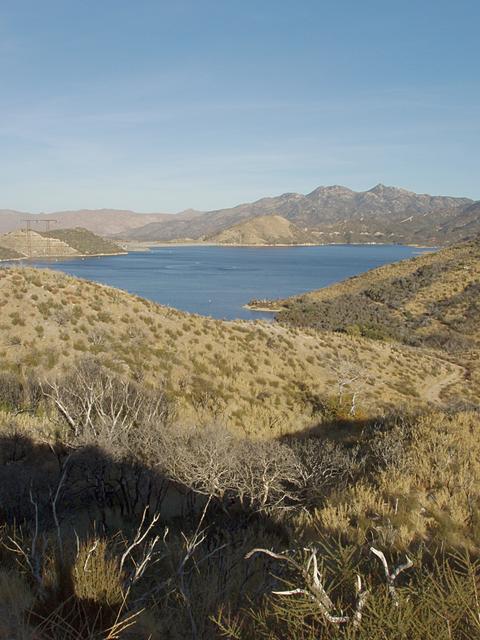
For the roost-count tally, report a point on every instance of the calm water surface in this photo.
(218, 281)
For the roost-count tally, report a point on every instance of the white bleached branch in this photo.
(391, 576)
(315, 591)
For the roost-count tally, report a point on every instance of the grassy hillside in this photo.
(262, 378)
(430, 300)
(59, 243)
(264, 230)
(84, 241)
(151, 462)
(34, 245)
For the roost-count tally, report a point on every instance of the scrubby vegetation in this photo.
(84, 241)
(9, 254)
(119, 522)
(59, 243)
(430, 300)
(259, 379)
(164, 475)
(430, 303)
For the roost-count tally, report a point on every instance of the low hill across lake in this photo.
(263, 230)
(9, 254)
(60, 243)
(85, 242)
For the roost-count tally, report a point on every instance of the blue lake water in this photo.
(218, 281)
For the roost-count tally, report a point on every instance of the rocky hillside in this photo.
(61, 243)
(337, 214)
(263, 230)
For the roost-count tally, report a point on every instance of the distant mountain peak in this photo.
(383, 189)
(332, 189)
(290, 194)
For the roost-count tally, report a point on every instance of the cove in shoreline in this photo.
(219, 281)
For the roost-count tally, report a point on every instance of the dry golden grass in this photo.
(61, 242)
(403, 484)
(263, 230)
(428, 492)
(96, 576)
(432, 300)
(32, 243)
(461, 269)
(259, 378)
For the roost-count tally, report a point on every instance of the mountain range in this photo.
(329, 214)
(106, 222)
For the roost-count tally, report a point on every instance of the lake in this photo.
(218, 281)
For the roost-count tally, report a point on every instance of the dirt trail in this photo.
(432, 391)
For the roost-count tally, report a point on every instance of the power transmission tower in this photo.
(47, 222)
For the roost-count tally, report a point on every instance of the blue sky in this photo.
(160, 106)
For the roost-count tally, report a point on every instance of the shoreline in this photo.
(261, 309)
(11, 259)
(71, 257)
(142, 246)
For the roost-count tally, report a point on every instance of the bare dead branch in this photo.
(139, 537)
(315, 591)
(392, 576)
(90, 552)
